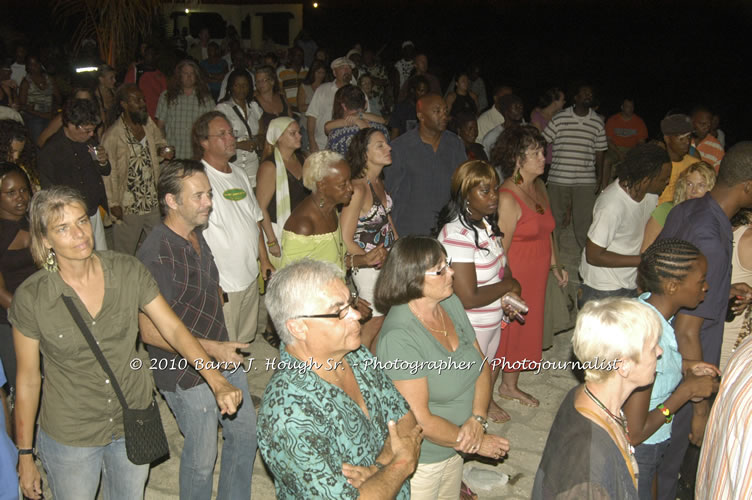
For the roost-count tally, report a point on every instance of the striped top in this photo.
(489, 260)
(710, 150)
(575, 141)
(726, 455)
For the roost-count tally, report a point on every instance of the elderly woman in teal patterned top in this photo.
(326, 426)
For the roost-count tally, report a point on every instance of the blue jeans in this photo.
(587, 294)
(73, 471)
(648, 458)
(197, 414)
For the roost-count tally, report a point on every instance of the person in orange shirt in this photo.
(624, 130)
(709, 148)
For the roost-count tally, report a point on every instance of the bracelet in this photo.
(666, 413)
(482, 421)
(379, 465)
(557, 266)
(271, 244)
(25, 451)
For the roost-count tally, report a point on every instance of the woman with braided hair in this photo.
(671, 275)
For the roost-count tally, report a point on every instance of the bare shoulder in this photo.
(300, 223)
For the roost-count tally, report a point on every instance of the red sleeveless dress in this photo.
(529, 258)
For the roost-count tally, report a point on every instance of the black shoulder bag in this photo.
(145, 439)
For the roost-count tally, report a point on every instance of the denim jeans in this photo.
(197, 414)
(587, 294)
(648, 457)
(73, 471)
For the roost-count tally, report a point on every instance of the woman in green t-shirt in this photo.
(427, 347)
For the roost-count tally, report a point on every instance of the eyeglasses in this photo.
(441, 269)
(534, 152)
(223, 134)
(340, 314)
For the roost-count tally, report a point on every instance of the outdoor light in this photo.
(86, 69)
(315, 5)
(187, 11)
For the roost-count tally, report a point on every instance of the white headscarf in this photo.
(276, 128)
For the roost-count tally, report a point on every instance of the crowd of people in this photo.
(400, 235)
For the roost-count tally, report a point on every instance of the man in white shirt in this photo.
(612, 252)
(233, 233)
(320, 110)
(493, 117)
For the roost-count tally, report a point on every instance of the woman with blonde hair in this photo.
(468, 230)
(616, 343)
(81, 430)
(694, 182)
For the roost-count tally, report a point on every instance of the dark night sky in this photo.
(667, 55)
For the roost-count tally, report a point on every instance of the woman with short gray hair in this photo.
(328, 408)
(616, 343)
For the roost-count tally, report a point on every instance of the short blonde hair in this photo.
(317, 166)
(702, 168)
(612, 329)
(46, 208)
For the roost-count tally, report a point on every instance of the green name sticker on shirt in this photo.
(235, 194)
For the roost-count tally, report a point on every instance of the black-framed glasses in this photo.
(441, 269)
(340, 314)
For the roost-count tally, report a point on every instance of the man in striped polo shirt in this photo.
(579, 141)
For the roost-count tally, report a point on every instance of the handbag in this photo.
(145, 439)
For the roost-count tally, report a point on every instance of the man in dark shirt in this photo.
(423, 161)
(72, 157)
(178, 256)
(699, 332)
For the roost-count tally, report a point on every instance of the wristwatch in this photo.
(482, 421)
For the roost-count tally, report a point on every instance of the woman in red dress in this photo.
(526, 221)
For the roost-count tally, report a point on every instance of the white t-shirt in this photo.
(247, 160)
(233, 233)
(321, 109)
(459, 243)
(489, 120)
(17, 72)
(619, 227)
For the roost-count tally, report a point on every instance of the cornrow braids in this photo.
(665, 259)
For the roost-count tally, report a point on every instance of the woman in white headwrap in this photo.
(279, 182)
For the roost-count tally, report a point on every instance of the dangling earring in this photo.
(50, 263)
(467, 208)
(321, 203)
(517, 177)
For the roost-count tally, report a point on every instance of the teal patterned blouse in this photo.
(307, 428)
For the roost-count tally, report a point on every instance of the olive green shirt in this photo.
(79, 406)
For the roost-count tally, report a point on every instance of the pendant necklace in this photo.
(441, 314)
(621, 420)
(538, 207)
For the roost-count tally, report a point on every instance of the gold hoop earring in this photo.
(50, 263)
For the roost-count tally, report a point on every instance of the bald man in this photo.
(423, 161)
